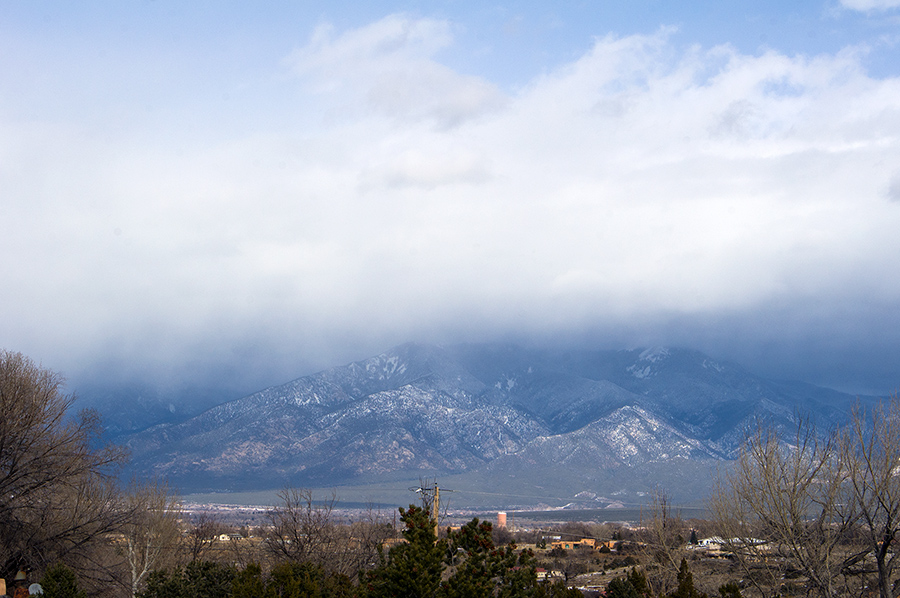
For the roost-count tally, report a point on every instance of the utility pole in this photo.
(436, 507)
(431, 500)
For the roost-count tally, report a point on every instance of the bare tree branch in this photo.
(56, 483)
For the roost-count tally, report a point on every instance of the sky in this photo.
(229, 195)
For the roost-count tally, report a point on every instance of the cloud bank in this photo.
(641, 193)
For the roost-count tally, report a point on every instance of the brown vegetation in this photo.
(59, 495)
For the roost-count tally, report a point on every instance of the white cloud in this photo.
(636, 182)
(870, 5)
(390, 64)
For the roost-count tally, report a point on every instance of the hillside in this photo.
(599, 423)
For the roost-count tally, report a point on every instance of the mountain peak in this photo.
(478, 410)
(654, 354)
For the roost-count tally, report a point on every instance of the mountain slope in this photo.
(600, 418)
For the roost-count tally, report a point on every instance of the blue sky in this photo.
(236, 194)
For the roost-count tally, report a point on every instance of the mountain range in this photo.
(599, 427)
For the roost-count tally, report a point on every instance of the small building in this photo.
(589, 543)
(712, 543)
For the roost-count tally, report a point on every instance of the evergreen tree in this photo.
(413, 569)
(730, 590)
(248, 583)
(483, 570)
(477, 568)
(474, 576)
(199, 579)
(686, 587)
(633, 585)
(337, 585)
(60, 582)
(517, 574)
(295, 580)
(307, 580)
(209, 580)
(639, 581)
(163, 584)
(620, 587)
(557, 589)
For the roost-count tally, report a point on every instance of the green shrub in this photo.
(60, 582)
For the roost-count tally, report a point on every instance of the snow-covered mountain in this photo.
(594, 420)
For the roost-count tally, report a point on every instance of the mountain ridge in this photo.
(594, 419)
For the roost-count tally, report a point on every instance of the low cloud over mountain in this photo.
(604, 422)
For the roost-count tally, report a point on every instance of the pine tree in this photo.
(248, 583)
(686, 587)
(60, 582)
(413, 569)
(730, 590)
(474, 577)
(639, 581)
(295, 580)
(209, 580)
(486, 570)
(307, 580)
(620, 587)
(198, 579)
(557, 589)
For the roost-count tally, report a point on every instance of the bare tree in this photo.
(304, 530)
(152, 533)
(301, 529)
(870, 452)
(58, 495)
(241, 552)
(366, 535)
(201, 537)
(788, 504)
(663, 537)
